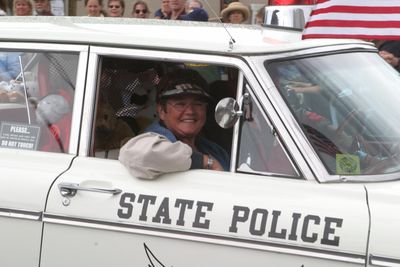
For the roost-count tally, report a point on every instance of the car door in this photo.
(383, 200)
(29, 163)
(99, 215)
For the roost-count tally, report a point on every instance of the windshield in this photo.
(348, 106)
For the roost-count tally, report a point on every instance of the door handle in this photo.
(70, 189)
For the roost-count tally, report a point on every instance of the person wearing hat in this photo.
(174, 142)
(236, 13)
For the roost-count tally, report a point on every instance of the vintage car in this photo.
(311, 126)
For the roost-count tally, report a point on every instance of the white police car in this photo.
(314, 148)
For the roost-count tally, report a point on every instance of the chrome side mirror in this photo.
(227, 112)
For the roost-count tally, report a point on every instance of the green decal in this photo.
(347, 164)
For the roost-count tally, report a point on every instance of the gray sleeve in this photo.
(150, 154)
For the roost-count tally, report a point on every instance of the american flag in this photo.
(357, 19)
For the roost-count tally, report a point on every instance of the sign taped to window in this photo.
(19, 136)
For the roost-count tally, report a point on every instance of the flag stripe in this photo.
(354, 24)
(366, 19)
(359, 10)
(346, 16)
(354, 36)
(349, 30)
(357, 3)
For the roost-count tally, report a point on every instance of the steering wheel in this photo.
(358, 143)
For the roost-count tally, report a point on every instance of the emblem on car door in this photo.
(154, 262)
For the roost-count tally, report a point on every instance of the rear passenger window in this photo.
(36, 99)
(126, 100)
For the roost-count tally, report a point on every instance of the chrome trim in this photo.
(236, 127)
(70, 189)
(242, 63)
(21, 214)
(41, 46)
(320, 50)
(89, 105)
(205, 237)
(78, 102)
(96, 52)
(383, 261)
(270, 103)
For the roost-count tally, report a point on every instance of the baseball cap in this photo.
(182, 82)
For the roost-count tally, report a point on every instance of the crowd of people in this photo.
(193, 10)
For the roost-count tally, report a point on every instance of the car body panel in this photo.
(218, 211)
(383, 200)
(26, 178)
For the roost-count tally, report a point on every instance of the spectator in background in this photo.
(94, 8)
(116, 8)
(236, 13)
(197, 14)
(177, 9)
(164, 12)
(178, 12)
(22, 8)
(140, 10)
(390, 51)
(260, 16)
(43, 8)
(192, 4)
(3, 8)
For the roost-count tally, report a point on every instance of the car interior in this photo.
(126, 100)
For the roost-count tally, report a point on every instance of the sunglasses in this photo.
(138, 11)
(111, 6)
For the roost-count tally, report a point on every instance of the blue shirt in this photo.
(203, 145)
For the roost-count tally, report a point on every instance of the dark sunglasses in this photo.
(138, 11)
(111, 6)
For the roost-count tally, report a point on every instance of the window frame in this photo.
(247, 88)
(239, 62)
(82, 52)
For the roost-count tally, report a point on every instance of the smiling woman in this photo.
(94, 8)
(115, 8)
(22, 7)
(173, 143)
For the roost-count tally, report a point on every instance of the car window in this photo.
(353, 134)
(126, 100)
(260, 149)
(36, 99)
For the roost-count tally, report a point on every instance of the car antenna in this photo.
(231, 39)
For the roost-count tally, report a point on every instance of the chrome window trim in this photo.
(78, 102)
(82, 51)
(56, 47)
(264, 96)
(234, 61)
(88, 113)
(292, 126)
(225, 240)
(265, 117)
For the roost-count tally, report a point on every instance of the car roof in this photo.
(161, 34)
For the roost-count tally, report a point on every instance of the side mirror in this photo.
(227, 112)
